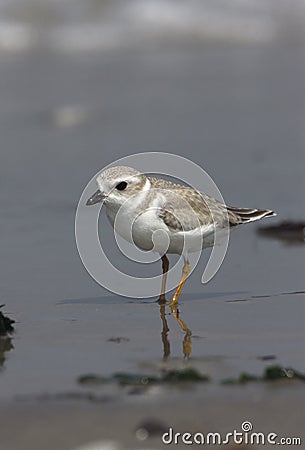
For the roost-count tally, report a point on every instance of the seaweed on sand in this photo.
(6, 324)
(125, 379)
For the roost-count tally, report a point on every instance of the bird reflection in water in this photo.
(187, 340)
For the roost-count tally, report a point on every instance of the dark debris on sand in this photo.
(6, 324)
(126, 379)
(188, 376)
(271, 373)
(6, 328)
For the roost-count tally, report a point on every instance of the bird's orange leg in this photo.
(185, 273)
(165, 267)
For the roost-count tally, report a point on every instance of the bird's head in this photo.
(118, 184)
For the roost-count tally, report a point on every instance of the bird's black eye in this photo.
(121, 186)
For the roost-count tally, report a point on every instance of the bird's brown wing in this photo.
(187, 209)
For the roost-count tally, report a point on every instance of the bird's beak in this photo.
(97, 197)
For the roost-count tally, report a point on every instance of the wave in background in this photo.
(99, 25)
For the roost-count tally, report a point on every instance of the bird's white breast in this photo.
(138, 226)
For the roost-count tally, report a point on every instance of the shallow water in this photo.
(252, 147)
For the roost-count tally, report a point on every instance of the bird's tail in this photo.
(245, 215)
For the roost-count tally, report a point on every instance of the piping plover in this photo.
(138, 206)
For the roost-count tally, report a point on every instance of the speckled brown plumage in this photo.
(182, 202)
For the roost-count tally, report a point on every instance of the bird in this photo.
(141, 205)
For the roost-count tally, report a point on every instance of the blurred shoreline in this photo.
(78, 26)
